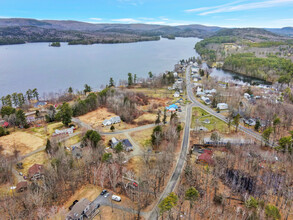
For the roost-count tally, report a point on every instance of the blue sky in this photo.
(238, 13)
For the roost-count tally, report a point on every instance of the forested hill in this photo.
(250, 51)
(19, 30)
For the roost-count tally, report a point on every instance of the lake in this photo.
(53, 69)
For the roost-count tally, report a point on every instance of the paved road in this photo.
(87, 126)
(247, 131)
(180, 162)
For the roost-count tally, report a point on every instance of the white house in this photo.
(247, 96)
(113, 120)
(206, 100)
(64, 131)
(176, 94)
(222, 106)
(210, 91)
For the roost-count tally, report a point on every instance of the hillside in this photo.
(20, 30)
(256, 50)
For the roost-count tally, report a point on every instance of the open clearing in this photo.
(199, 116)
(21, 141)
(142, 138)
(155, 93)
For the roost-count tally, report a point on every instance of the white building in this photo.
(176, 94)
(222, 106)
(206, 100)
(113, 120)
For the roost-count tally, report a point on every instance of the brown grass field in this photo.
(23, 142)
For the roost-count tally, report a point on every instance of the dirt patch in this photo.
(21, 141)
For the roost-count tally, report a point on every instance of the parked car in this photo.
(106, 195)
(20, 173)
(103, 192)
(74, 202)
(116, 198)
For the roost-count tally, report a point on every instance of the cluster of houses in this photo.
(111, 121)
(35, 172)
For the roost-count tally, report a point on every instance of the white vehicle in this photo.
(116, 198)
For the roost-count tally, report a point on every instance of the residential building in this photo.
(21, 186)
(113, 120)
(222, 106)
(35, 172)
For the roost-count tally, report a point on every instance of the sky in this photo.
(238, 13)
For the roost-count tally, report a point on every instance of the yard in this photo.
(21, 141)
(96, 118)
(199, 117)
(155, 93)
(142, 138)
(38, 158)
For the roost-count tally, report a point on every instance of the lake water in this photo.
(36, 65)
(53, 69)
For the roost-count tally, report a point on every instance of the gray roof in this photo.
(78, 209)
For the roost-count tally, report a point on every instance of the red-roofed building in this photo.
(206, 158)
(36, 171)
(21, 186)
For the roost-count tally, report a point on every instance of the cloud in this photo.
(126, 20)
(212, 7)
(235, 6)
(146, 19)
(96, 19)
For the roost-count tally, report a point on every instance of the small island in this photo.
(55, 44)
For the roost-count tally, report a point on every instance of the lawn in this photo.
(155, 93)
(142, 138)
(215, 123)
(51, 127)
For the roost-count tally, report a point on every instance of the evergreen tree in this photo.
(236, 121)
(48, 147)
(150, 75)
(165, 116)
(29, 94)
(257, 125)
(65, 114)
(111, 82)
(70, 90)
(191, 195)
(8, 101)
(130, 80)
(21, 99)
(35, 94)
(20, 118)
(15, 99)
(158, 120)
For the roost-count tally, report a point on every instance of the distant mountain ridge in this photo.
(282, 31)
(21, 30)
